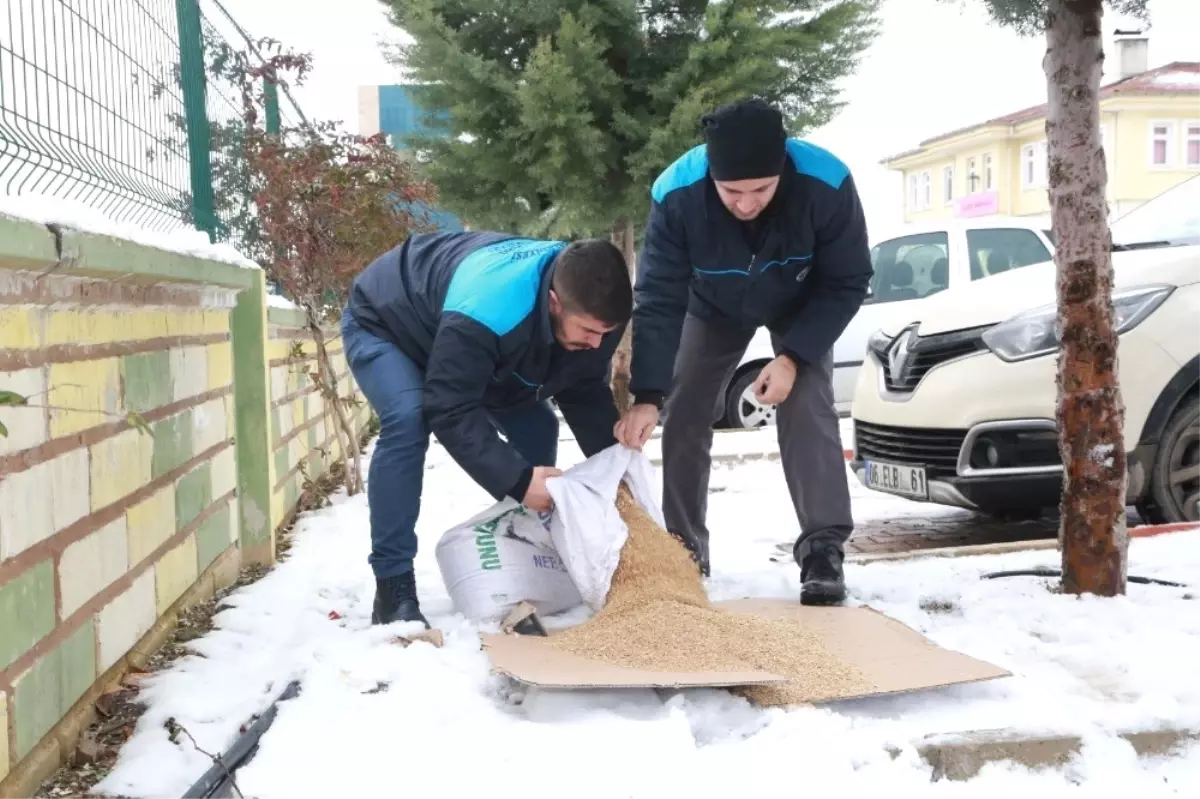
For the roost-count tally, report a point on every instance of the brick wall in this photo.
(106, 529)
(303, 437)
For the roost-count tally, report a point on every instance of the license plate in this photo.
(896, 478)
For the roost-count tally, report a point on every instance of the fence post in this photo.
(252, 400)
(271, 101)
(191, 73)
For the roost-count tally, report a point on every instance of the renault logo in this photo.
(899, 354)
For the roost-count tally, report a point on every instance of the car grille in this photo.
(902, 374)
(936, 449)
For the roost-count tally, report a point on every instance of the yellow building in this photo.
(1149, 124)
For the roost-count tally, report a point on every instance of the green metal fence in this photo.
(117, 104)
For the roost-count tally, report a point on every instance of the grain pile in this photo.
(658, 617)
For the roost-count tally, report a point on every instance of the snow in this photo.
(71, 213)
(1083, 666)
(279, 301)
(1189, 79)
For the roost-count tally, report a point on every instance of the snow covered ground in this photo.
(446, 726)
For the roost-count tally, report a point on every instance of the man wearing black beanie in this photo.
(750, 229)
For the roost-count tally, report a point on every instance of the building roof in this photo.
(1178, 77)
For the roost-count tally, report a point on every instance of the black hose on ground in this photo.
(218, 780)
(1057, 573)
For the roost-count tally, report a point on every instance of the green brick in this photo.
(212, 538)
(26, 611)
(147, 380)
(281, 464)
(312, 438)
(172, 443)
(193, 493)
(46, 690)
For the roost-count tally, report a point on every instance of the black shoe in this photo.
(821, 578)
(396, 600)
(697, 549)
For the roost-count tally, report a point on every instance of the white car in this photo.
(956, 405)
(920, 261)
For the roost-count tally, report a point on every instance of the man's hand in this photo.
(636, 426)
(775, 381)
(537, 498)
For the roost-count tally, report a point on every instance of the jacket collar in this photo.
(545, 332)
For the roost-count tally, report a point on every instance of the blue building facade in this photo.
(393, 110)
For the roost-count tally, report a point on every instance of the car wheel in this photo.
(742, 410)
(1175, 476)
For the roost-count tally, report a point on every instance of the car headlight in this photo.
(1036, 332)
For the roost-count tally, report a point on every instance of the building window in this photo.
(926, 189)
(1160, 143)
(987, 172)
(972, 176)
(1191, 144)
(914, 193)
(1033, 165)
(948, 183)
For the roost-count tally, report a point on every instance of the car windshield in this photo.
(1169, 220)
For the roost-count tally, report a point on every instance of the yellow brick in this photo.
(277, 509)
(230, 416)
(278, 348)
(151, 523)
(186, 323)
(101, 327)
(90, 389)
(224, 473)
(174, 573)
(297, 411)
(120, 466)
(147, 324)
(220, 365)
(216, 321)
(20, 327)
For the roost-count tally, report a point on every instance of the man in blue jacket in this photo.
(750, 229)
(466, 336)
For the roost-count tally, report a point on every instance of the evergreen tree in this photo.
(562, 112)
(1090, 412)
(571, 107)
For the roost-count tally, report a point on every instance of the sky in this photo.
(938, 65)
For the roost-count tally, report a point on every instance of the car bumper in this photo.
(944, 427)
(1007, 492)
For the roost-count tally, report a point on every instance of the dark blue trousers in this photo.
(393, 384)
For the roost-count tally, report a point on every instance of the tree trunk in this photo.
(327, 384)
(622, 236)
(1090, 412)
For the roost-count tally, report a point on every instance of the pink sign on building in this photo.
(977, 204)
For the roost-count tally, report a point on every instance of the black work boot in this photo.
(696, 548)
(821, 578)
(396, 600)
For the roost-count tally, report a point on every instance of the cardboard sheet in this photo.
(893, 657)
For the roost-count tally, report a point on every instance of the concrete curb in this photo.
(1148, 530)
(955, 552)
(961, 756)
(1142, 531)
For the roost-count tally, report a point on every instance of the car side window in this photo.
(995, 250)
(910, 267)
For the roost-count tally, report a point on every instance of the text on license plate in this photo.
(896, 478)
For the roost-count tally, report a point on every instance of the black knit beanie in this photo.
(746, 140)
